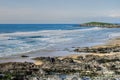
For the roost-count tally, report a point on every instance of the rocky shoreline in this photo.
(101, 61)
(109, 49)
(86, 65)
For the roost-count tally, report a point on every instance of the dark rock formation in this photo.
(19, 71)
(98, 50)
(24, 56)
(85, 65)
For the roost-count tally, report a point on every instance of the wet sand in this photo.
(31, 55)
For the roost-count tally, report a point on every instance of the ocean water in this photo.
(25, 38)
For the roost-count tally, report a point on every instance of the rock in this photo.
(85, 65)
(24, 56)
(2, 76)
(98, 50)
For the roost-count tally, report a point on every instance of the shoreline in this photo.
(52, 53)
(93, 65)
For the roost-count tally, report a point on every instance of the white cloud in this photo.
(114, 15)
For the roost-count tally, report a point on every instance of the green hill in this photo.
(101, 24)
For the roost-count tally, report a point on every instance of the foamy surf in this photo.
(25, 42)
(114, 35)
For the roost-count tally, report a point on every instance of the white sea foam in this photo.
(47, 32)
(114, 35)
(22, 42)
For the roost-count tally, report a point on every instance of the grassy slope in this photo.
(99, 23)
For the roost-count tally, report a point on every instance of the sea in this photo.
(58, 39)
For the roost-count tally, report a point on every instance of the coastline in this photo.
(86, 64)
(29, 56)
(109, 43)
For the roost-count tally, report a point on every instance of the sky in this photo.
(59, 11)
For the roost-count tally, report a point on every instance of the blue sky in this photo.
(59, 11)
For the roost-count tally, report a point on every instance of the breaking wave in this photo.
(23, 42)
